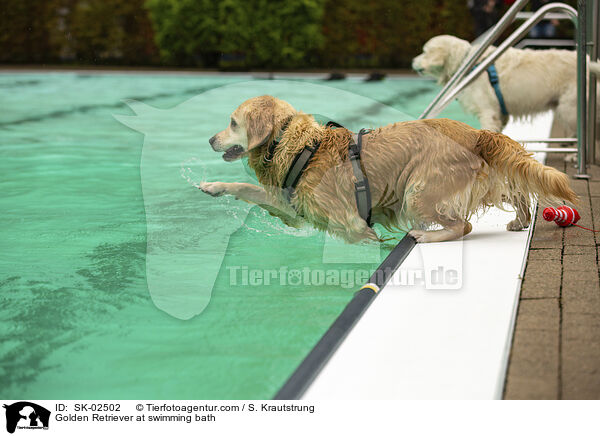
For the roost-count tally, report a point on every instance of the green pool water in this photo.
(104, 243)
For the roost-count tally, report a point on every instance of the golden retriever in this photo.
(421, 173)
(531, 82)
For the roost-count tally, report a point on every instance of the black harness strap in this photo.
(334, 124)
(297, 168)
(362, 192)
(361, 185)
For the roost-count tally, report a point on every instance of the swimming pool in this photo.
(84, 209)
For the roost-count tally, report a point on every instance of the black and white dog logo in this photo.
(26, 415)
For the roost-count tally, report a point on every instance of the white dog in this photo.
(531, 81)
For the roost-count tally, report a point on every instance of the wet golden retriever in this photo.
(422, 174)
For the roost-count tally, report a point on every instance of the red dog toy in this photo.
(564, 216)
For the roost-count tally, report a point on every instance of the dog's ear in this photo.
(260, 123)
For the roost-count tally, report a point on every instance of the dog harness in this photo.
(298, 166)
(362, 192)
(361, 185)
(495, 82)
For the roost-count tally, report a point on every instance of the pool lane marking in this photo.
(93, 107)
(316, 359)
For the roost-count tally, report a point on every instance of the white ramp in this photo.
(415, 342)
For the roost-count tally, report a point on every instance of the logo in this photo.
(26, 415)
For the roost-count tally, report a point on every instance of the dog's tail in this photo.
(524, 174)
(595, 68)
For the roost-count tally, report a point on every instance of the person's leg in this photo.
(549, 30)
(535, 32)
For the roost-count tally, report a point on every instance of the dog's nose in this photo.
(212, 140)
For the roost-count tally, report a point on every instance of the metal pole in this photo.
(581, 91)
(488, 38)
(315, 361)
(550, 140)
(551, 150)
(594, 49)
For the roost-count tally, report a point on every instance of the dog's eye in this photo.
(233, 123)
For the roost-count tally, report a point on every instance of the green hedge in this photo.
(244, 34)
(24, 33)
(301, 33)
(227, 34)
(76, 31)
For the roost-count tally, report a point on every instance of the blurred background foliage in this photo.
(76, 31)
(226, 34)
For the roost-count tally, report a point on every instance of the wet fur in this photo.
(421, 173)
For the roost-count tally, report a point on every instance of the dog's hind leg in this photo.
(523, 218)
(451, 231)
(427, 205)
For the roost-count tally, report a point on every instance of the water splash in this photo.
(192, 177)
(193, 171)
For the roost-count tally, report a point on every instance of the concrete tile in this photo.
(542, 274)
(581, 357)
(540, 314)
(580, 250)
(531, 388)
(541, 283)
(594, 186)
(581, 292)
(533, 366)
(595, 211)
(581, 263)
(546, 234)
(544, 254)
(580, 187)
(582, 327)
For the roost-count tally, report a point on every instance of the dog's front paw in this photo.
(215, 189)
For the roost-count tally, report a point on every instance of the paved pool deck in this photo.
(556, 347)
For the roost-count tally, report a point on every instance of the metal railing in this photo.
(468, 72)
(594, 53)
(549, 43)
(545, 42)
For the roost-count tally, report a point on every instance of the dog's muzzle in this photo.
(417, 68)
(212, 141)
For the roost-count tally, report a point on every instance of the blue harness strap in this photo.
(495, 82)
